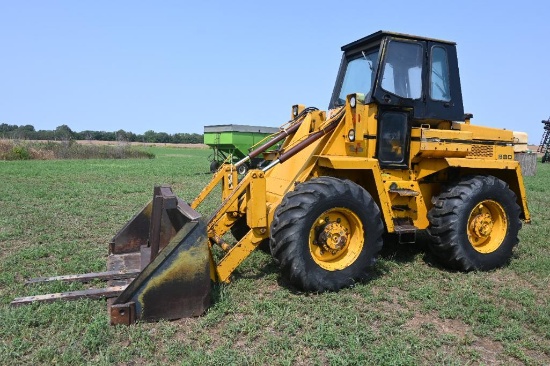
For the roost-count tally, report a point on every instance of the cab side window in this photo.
(439, 75)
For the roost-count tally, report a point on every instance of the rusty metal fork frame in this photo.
(158, 266)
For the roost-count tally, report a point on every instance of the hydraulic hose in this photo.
(331, 125)
(278, 137)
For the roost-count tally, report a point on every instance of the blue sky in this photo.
(175, 66)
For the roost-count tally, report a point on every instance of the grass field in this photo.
(56, 217)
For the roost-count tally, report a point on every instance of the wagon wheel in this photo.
(214, 166)
(243, 169)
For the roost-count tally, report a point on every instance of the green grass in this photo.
(56, 217)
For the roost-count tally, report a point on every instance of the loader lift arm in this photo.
(249, 198)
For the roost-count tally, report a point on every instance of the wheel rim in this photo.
(487, 226)
(242, 169)
(336, 239)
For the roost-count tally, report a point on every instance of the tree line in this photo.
(64, 133)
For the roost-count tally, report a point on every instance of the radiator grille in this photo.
(482, 151)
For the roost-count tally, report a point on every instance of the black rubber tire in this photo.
(239, 230)
(296, 215)
(243, 169)
(449, 223)
(214, 165)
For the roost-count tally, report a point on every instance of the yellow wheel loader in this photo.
(394, 153)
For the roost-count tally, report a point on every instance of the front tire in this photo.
(326, 234)
(475, 224)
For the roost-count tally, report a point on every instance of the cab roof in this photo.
(377, 37)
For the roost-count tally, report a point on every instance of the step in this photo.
(404, 192)
(405, 229)
(406, 233)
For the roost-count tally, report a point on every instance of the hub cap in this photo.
(336, 239)
(487, 226)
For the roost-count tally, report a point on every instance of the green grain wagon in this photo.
(234, 141)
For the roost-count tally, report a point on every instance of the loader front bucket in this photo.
(167, 241)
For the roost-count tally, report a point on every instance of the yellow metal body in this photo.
(438, 152)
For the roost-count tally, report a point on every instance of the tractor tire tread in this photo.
(290, 248)
(448, 242)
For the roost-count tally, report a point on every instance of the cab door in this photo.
(399, 83)
(420, 76)
(400, 93)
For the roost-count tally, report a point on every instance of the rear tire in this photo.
(475, 224)
(326, 234)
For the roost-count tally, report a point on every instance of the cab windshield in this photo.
(359, 76)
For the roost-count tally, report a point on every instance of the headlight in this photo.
(352, 101)
(295, 110)
(351, 135)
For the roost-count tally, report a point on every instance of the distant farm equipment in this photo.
(544, 146)
(231, 143)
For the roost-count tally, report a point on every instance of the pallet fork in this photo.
(158, 266)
